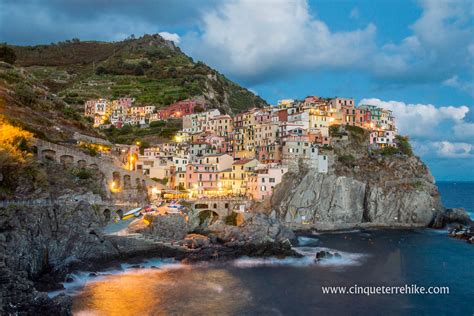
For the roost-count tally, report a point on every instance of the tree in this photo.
(7, 54)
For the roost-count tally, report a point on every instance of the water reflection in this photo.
(256, 286)
(163, 292)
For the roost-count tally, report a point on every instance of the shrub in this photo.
(7, 54)
(389, 151)
(333, 130)
(404, 145)
(82, 173)
(347, 160)
(157, 124)
(26, 95)
(231, 219)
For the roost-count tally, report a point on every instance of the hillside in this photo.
(27, 103)
(149, 68)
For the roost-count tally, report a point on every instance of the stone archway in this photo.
(116, 179)
(82, 164)
(119, 213)
(48, 154)
(93, 166)
(66, 160)
(107, 214)
(208, 216)
(127, 182)
(34, 149)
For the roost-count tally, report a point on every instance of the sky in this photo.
(413, 57)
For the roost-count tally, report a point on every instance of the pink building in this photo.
(262, 182)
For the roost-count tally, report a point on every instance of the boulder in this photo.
(463, 232)
(450, 216)
(195, 241)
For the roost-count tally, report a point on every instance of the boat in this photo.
(132, 213)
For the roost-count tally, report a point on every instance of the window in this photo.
(272, 180)
(263, 188)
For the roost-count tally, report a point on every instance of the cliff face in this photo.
(371, 190)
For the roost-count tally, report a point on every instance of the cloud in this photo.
(422, 120)
(354, 13)
(26, 22)
(446, 149)
(255, 40)
(439, 46)
(170, 37)
(467, 86)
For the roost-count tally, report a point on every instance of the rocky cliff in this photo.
(362, 188)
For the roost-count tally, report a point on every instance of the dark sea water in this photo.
(458, 194)
(255, 286)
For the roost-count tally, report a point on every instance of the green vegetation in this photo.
(347, 160)
(130, 134)
(418, 185)
(82, 173)
(7, 54)
(207, 215)
(404, 145)
(148, 69)
(357, 134)
(163, 181)
(231, 219)
(333, 130)
(389, 151)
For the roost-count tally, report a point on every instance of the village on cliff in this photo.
(245, 156)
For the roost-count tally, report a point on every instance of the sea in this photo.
(366, 260)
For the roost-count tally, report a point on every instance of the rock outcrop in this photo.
(38, 240)
(257, 229)
(394, 191)
(463, 232)
(450, 216)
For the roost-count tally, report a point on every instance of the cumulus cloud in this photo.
(441, 132)
(421, 120)
(170, 37)
(255, 39)
(445, 149)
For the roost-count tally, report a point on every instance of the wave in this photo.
(81, 278)
(307, 259)
(306, 241)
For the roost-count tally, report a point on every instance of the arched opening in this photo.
(201, 206)
(119, 213)
(208, 216)
(34, 149)
(116, 179)
(48, 154)
(215, 205)
(127, 182)
(107, 214)
(81, 164)
(93, 166)
(67, 161)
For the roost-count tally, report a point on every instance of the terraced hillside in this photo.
(149, 68)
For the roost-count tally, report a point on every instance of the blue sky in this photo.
(414, 57)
